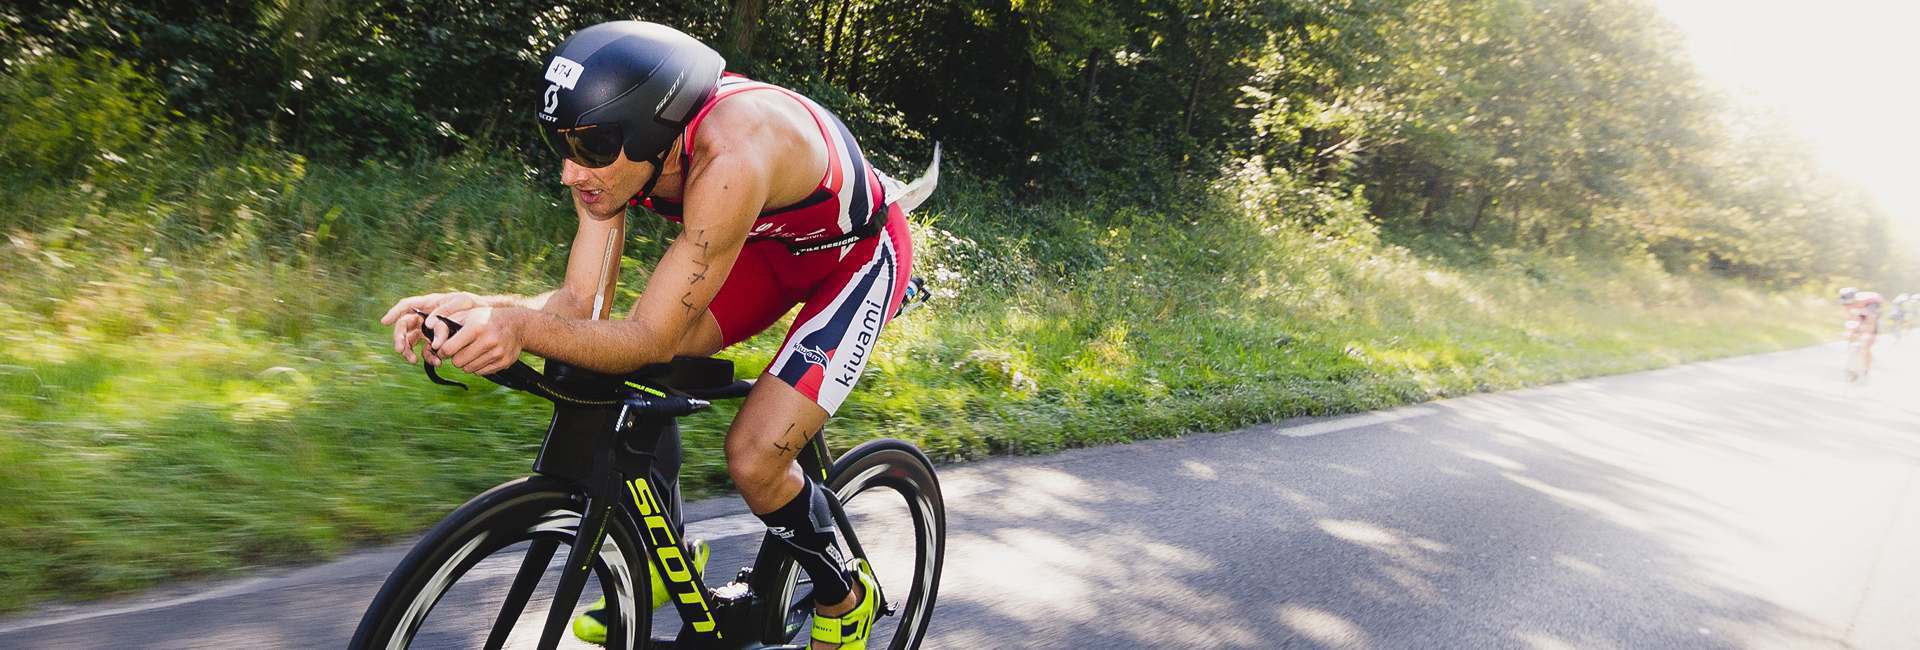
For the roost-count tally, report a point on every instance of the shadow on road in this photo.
(1608, 513)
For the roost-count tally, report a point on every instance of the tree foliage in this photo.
(1558, 124)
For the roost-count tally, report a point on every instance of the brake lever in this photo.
(425, 364)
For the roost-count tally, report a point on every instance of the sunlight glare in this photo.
(1839, 72)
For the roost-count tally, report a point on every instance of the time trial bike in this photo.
(605, 488)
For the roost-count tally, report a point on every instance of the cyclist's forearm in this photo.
(556, 302)
(609, 346)
(510, 300)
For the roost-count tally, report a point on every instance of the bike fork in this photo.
(594, 518)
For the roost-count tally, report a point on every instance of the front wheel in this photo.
(484, 576)
(891, 498)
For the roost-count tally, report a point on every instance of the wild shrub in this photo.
(61, 117)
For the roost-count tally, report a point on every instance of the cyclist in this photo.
(778, 208)
(1863, 322)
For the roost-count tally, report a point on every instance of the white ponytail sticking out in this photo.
(916, 192)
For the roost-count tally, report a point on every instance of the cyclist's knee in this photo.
(757, 472)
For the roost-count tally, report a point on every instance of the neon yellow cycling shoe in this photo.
(850, 630)
(591, 626)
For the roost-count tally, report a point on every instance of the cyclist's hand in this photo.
(488, 342)
(406, 323)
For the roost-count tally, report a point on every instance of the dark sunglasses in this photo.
(592, 145)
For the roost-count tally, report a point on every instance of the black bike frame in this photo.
(629, 457)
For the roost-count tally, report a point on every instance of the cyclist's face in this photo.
(605, 190)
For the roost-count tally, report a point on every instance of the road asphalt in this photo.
(1758, 502)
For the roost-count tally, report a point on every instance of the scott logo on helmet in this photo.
(552, 101)
(672, 91)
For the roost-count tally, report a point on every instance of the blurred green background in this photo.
(1157, 217)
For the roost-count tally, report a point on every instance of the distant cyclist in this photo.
(779, 208)
(1863, 322)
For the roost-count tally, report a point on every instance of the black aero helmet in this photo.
(625, 85)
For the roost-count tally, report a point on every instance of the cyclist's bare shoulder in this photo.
(775, 131)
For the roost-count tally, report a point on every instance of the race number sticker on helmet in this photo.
(564, 71)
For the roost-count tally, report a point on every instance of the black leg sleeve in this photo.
(805, 526)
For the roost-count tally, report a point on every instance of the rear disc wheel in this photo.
(891, 497)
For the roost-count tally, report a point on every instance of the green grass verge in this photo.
(192, 381)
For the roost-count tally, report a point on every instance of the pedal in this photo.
(733, 593)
